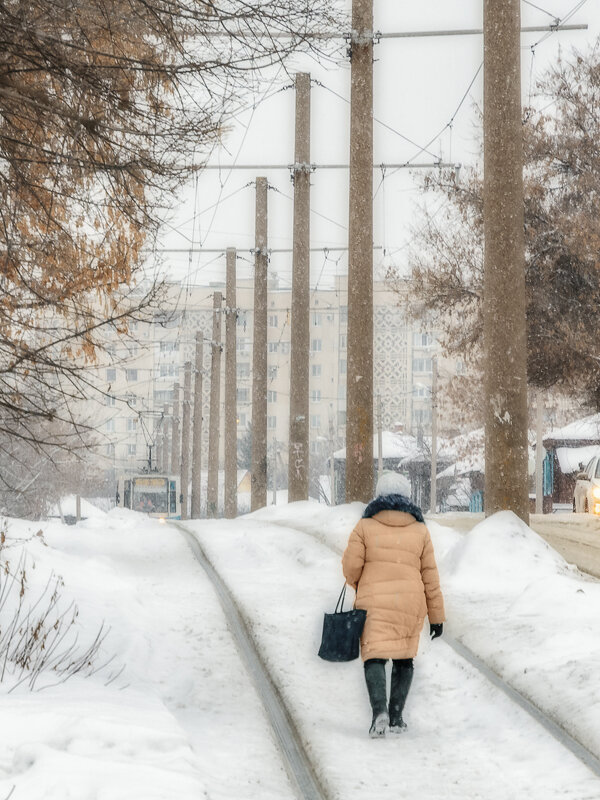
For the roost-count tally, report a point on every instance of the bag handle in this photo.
(341, 598)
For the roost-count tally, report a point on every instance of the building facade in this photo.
(138, 376)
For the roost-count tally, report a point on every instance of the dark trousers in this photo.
(402, 675)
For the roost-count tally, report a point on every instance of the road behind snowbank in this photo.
(575, 536)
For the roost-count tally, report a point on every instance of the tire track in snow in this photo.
(297, 762)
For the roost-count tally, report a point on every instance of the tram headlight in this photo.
(596, 492)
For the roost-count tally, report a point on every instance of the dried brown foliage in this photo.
(105, 107)
(562, 213)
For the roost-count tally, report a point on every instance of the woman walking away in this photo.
(389, 561)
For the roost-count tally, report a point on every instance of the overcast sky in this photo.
(419, 84)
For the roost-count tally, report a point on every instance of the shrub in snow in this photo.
(38, 635)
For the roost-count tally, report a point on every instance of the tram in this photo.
(154, 494)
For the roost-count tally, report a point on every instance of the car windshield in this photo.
(597, 472)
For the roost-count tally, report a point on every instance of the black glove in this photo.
(436, 630)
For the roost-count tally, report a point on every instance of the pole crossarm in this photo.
(477, 31)
(254, 250)
(314, 167)
(376, 36)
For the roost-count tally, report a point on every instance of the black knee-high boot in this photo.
(375, 678)
(402, 675)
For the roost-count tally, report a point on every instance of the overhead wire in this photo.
(561, 21)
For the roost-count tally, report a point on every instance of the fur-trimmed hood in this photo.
(393, 502)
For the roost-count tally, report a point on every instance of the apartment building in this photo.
(138, 383)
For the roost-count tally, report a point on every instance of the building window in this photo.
(242, 345)
(110, 449)
(132, 400)
(168, 370)
(341, 417)
(316, 318)
(343, 314)
(111, 374)
(420, 391)
(132, 424)
(243, 395)
(243, 369)
(131, 449)
(285, 348)
(132, 375)
(315, 421)
(343, 341)
(316, 370)
(422, 339)
(273, 320)
(110, 425)
(316, 345)
(343, 366)
(168, 347)
(315, 395)
(271, 396)
(421, 365)
(110, 400)
(163, 397)
(273, 347)
(241, 420)
(271, 423)
(273, 370)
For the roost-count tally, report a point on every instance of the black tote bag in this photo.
(341, 632)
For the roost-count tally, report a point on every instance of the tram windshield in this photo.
(150, 495)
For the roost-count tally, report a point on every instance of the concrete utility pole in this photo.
(379, 439)
(332, 495)
(258, 489)
(158, 436)
(539, 453)
(164, 463)
(300, 327)
(197, 431)
(504, 322)
(175, 434)
(274, 470)
(359, 391)
(230, 481)
(434, 445)
(212, 492)
(185, 440)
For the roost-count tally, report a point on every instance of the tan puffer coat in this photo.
(390, 558)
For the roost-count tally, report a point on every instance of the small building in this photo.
(395, 447)
(568, 450)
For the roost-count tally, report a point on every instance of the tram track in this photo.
(297, 762)
(556, 731)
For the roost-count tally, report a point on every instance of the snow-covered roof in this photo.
(586, 428)
(570, 458)
(393, 445)
(475, 462)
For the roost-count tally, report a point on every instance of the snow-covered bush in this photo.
(39, 640)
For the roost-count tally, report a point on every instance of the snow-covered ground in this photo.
(182, 720)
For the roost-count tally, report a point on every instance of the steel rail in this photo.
(591, 761)
(298, 765)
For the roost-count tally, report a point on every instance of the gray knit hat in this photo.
(392, 483)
